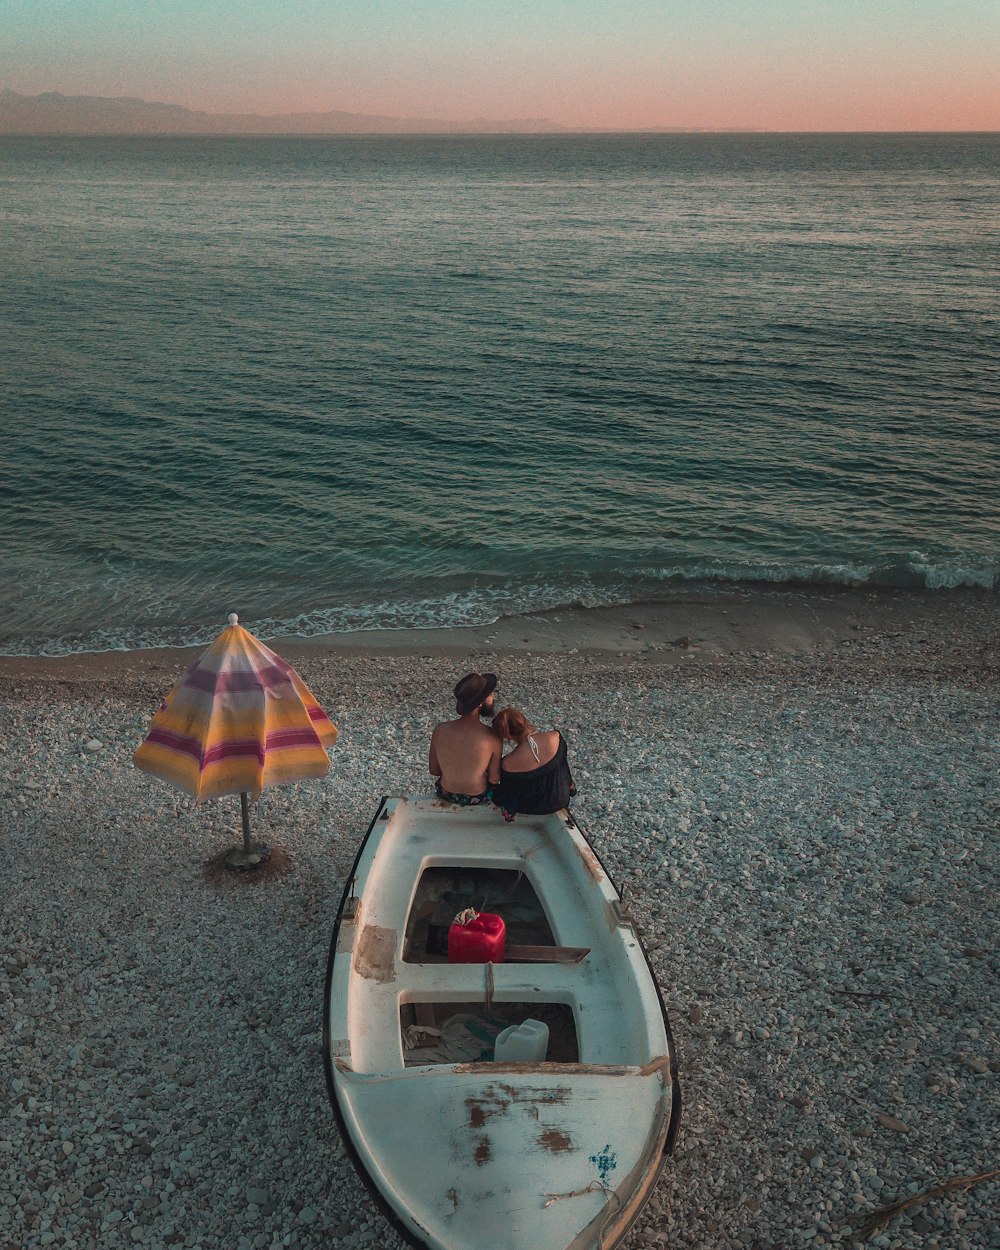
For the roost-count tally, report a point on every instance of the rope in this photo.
(592, 1188)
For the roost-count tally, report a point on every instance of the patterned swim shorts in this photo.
(464, 800)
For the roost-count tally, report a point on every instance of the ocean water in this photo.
(369, 382)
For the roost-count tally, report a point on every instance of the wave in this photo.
(485, 603)
(915, 570)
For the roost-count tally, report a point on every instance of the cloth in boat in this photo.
(463, 800)
(462, 1038)
(546, 788)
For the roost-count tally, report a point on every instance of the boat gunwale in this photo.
(673, 1127)
(381, 1202)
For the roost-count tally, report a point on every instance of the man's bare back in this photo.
(465, 753)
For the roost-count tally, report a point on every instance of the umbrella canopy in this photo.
(239, 719)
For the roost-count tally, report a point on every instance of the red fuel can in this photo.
(479, 940)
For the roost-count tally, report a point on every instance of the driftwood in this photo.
(876, 1221)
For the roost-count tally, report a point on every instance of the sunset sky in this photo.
(619, 64)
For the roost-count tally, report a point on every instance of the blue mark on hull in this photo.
(605, 1161)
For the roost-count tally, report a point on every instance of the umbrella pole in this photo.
(245, 812)
(251, 853)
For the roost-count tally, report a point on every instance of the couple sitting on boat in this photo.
(468, 765)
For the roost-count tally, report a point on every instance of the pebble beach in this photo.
(797, 792)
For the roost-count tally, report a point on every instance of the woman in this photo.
(535, 776)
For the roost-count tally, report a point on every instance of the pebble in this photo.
(771, 816)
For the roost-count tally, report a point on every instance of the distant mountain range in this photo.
(55, 114)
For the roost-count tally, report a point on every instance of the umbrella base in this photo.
(241, 859)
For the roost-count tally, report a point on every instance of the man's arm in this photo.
(433, 767)
(493, 772)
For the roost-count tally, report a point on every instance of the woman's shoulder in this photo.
(547, 742)
(523, 760)
(550, 743)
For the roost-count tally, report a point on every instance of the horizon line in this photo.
(561, 133)
(395, 124)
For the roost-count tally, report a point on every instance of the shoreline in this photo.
(714, 626)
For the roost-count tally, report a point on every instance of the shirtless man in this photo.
(464, 757)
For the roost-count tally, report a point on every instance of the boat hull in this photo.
(549, 1155)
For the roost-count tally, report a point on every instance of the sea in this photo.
(372, 382)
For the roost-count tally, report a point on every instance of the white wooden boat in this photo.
(459, 1150)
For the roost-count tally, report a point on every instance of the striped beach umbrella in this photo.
(239, 719)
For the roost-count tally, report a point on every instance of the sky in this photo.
(606, 64)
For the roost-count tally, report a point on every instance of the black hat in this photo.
(474, 690)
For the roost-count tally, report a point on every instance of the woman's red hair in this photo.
(510, 723)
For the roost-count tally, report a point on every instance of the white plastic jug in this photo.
(523, 1043)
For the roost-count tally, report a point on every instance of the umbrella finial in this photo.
(233, 618)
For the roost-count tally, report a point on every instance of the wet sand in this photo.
(712, 627)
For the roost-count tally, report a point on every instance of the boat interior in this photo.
(466, 1031)
(444, 891)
